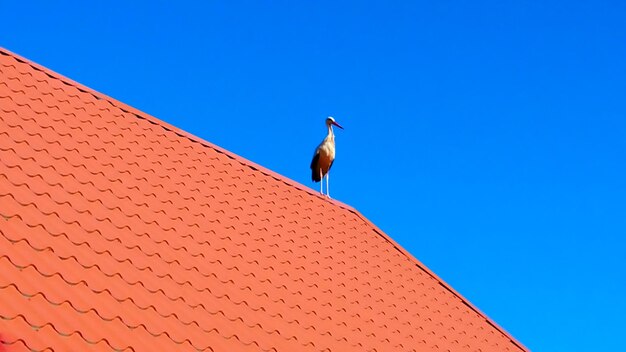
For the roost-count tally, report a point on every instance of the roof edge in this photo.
(142, 115)
(444, 284)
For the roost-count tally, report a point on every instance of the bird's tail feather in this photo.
(315, 176)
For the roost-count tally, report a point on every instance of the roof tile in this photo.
(121, 232)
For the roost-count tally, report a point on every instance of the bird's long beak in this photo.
(338, 125)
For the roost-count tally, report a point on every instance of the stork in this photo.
(324, 156)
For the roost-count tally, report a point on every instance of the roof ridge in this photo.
(154, 120)
(246, 162)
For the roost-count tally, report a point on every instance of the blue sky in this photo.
(487, 138)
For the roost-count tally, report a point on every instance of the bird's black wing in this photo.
(315, 170)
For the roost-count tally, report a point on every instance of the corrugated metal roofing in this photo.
(121, 232)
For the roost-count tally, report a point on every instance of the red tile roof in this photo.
(121, 232)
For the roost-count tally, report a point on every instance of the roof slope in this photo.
(120, 232)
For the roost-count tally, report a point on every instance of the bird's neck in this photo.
(330, 131)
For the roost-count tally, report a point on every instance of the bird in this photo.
(324, 156)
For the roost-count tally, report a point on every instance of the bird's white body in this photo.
(326, 151)
(324, 157)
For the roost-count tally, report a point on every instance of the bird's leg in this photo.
(328, 185)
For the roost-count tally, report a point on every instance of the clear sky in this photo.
(487, 138)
